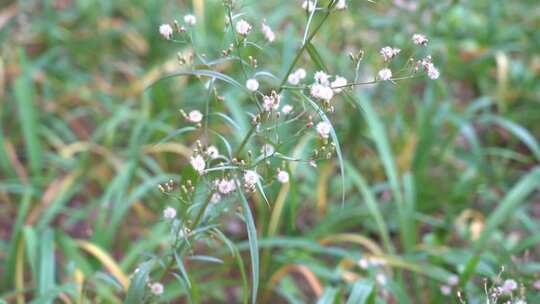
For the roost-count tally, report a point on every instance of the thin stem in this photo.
(195, 223)
(301, 51)
(245, 140)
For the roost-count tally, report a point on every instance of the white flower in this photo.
(268, 33)
(385, 74)
(195, 116)
(420, 39)
(267, 149)
(293, 79)
(509, 286)
(453, 280)
(341, 5)
(520, 301)
(252, 84)
(338, 84)
(212, 152)
(381, 278)
(271, 102)
(301, 73)
(156, 288)
(363, 263)
(321, 92)
(166, 31)
(389, 52)
(216, 197)
(251, 177)
(324, 128)
(190, 20)
(432, 71)
(308, 5)
(322, 78)
(243, 28)
(226, 186)
(169, 213)
(446, 290)
(283, 177)
(198, 163)
(286, 109)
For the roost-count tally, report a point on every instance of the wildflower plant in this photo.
(227, 172)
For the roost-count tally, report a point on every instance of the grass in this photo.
(430, 179)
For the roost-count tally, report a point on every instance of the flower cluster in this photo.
(279, 113)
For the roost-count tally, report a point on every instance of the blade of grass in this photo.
(253, 246)
(362, 292)
(378, 134)
(23, 90)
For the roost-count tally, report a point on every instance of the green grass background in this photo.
(441, 176)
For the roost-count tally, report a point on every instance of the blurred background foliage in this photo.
(79, 163)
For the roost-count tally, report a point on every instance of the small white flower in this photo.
(283, 177)
(268, 33)
(453, 280)
(509, 286)
(341, 5)
(301, 73)
(446, 290)
(420, 39)
(321, 78)
(212, 152)
(251, 177)
(293, 79)
(195, 116)
(321, 92)
(381, 278)
(308, 5)
(190, 20)
(271, 102)
(156, 288)
(166, 31)
(389, 52)
(286, 109)
(520, 301)
(243, 27)
(338, 84)
(226, 186)
(385, 74)
(216, 197)
(267, 150)
(363, 263)
(432, 71)
(198, 163)
(324, 128)
(169, 213)
(252, 84)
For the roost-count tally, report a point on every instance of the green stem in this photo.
(245, 140)
(198, 218)
(301, 51)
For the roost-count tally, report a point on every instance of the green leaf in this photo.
(372, 205)
(207, 73)
(335, 140)
(46, 263)
(329, 296)
(509, 203)
(253, 246)
(23, 90)
(361, 292)
(137, 285)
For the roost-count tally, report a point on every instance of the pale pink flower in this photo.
(169, 213)
(190, 20)
(195, 116)
(420, 39)
(324, 129)
(283, 177)
(385, 74)
(197, 162)
(243, 27)
(166, 31)
(252, 84)
(268, 33)
(156, 288)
